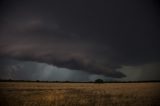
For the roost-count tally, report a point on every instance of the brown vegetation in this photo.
(79, 94)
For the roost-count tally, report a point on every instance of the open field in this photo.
(79, 94)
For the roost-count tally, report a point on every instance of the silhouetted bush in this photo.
(37, 81)
(98, 81)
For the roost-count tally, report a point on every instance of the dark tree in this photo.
(99, 81)
(37, 81)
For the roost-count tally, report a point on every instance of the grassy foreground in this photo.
(79, 94)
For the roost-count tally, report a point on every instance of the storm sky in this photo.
(80, 40)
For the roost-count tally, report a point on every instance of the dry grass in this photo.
(79, 94)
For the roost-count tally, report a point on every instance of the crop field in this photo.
(79, 94)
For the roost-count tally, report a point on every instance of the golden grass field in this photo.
(79, 94)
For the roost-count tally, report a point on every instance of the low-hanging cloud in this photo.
(75, 56)
(64, 34)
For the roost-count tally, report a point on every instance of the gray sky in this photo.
(80, 40)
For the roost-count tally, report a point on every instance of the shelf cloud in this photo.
(97, 37)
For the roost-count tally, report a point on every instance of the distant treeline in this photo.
(10, 80)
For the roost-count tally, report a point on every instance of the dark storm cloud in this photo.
(92, 36)
(29, 70)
